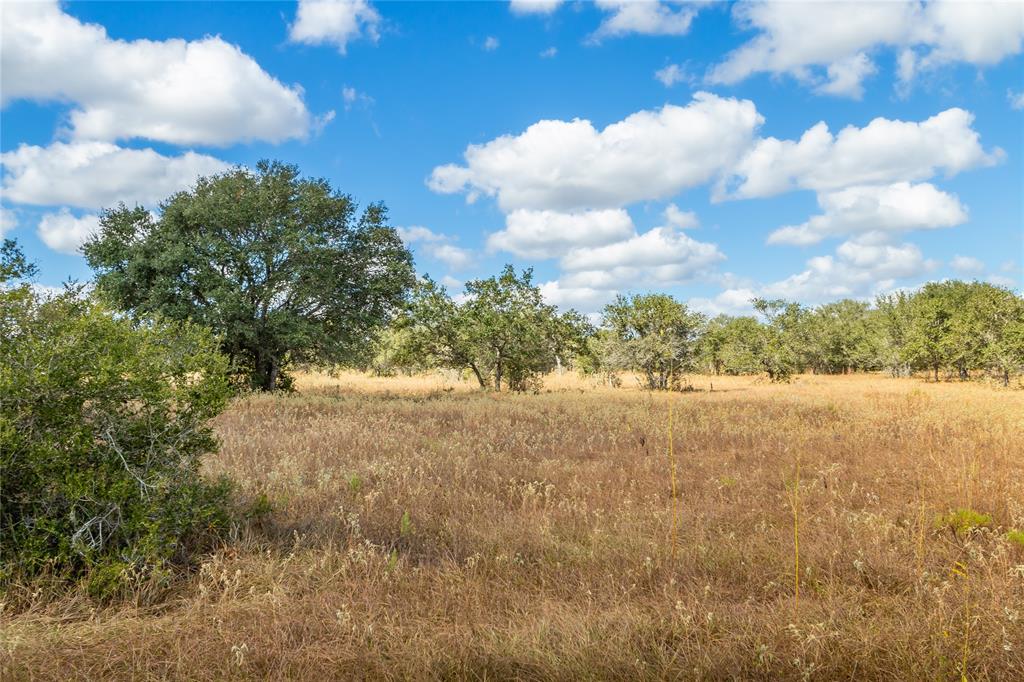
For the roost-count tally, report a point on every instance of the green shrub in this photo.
(1016, 537)
(102, 426)
(962, 521)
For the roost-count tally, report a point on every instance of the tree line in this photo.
(500, 327)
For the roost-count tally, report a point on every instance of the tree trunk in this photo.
(267, 370)
(1006, 377)
(479, 376)
(936, 374)
(272, 374)
(497, 373)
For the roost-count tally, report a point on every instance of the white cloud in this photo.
(728, 302)
(570, 165)
(845, 77)
(437, 246)
(98, 174)
(660, 247)
(549, 234)
(64, 232)
(659, 258)
(418, 233)
(453, 256)
(859, 269)
(8, 221)
(534, 6)
(334, 22)
(670, 75)
(584, 299)
(897, 207)
(548, 53)
(1016, 99)
(800, 39)
(491, 44)
(646, 17)
(967, 265)
(1004, 281)
(177, 91)
(450, 283)
(352, 98)
(883, 151)
(680, 218)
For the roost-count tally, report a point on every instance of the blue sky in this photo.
(614, 147)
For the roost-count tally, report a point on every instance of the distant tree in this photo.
(502, 331)
(712, 343)
(280, 267)
(843, 336)
(652, 334)
(892, 312)
(927, 342)
(742, 351)
(781, 338)
(998, 322)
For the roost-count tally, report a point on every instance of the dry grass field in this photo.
(424, 530)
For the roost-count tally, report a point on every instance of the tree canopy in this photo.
(501, 330)
(652, 334)
(282, 268)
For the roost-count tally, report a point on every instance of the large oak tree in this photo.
(281, 267)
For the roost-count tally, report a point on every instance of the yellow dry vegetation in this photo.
(422, 529)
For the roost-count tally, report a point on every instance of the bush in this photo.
(963, 521)
(102, 426)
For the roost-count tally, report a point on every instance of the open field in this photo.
(422, 529)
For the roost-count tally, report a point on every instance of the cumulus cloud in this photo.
(182, 92)
(967, 265)
(670, 75)
(888, 208)
(845, 77)
(549, 234)
(859, 268)
(334, 22)
(534, 6)
(1004, 281)
(649, 17)
(585, 299)
(666, 254)
(680, 218)
(827, 44)
(659, 258)
(728, 302)
(883, 151)
(437, 246)
(98, 174)
(8, 221)
(571, 165)
(63, 232)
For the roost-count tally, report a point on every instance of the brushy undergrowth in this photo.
(103, 424)
(413, 532)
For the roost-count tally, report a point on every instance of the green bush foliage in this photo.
(963, 521)
(102, 425)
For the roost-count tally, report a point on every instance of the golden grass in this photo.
(538, 539)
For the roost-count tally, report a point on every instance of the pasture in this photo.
(837, 527)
